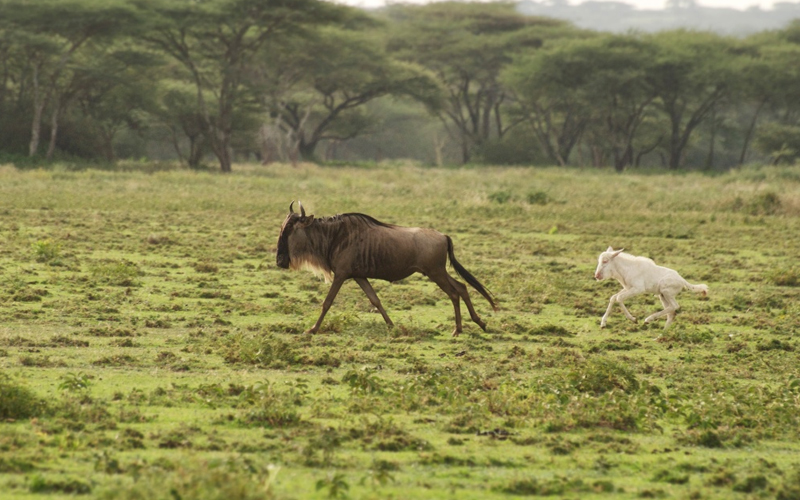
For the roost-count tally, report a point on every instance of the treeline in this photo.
(443, 83)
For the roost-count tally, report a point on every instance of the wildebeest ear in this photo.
(617, 252)
(609, 249)
(306, 220)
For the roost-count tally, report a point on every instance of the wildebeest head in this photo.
(293, 222)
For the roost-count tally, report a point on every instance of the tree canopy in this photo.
(276, 79)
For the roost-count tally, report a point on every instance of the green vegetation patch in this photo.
(134, 365)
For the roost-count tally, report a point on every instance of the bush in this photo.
(46, 251)
(537, 198)
(766, 203)
(601, 375)
(784, 277)
(18, 402)
(264, 406)
(213, 480)
(268, 351)
(120, 273)
(41, 484)
(501, 197)
(780, 142)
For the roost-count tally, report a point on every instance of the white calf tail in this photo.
(698, 288)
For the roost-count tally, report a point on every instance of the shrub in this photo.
(46, 251)
(551, 487)
(784, 277)
(206, 267)
(363, 381)
(41, 484)
(17, 401)
(257, 349)
(791, 487)
(501, 196)
(265, 406)
(766, 203)
(120, 273)
(232, 479)
(551, 330)
(600, 375)
(537, 198)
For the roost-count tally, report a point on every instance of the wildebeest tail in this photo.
(472, 280)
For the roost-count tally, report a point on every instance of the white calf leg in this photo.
(620, 298)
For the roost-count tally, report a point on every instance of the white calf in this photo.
(639, 275)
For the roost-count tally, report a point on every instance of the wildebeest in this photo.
(639, 275)
(356, 246)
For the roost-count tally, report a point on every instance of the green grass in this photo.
(150, 348)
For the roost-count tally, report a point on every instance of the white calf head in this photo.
(604, 261)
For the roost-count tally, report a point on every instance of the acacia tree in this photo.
(467, 45)
(315, 88)
(691, 73)
(51, 33)
(548, 91)
(215, 42)
(773, 84)
(618, 93)
(113, 89)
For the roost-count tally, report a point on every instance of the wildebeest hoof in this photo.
(456, 332)
(483, 326)
(311, 331)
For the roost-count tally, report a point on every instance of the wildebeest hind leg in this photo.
(373, 298)
(335, 286)
(444, 281)
(462, 290)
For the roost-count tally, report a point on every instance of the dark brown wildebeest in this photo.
(356, 246)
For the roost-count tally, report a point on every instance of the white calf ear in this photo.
(617, 252)
(609, 249)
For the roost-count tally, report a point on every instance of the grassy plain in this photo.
(150, 348)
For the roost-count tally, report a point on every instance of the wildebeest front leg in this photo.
(337, 284)
(373, 298)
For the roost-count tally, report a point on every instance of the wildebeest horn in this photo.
(291, 209)
(302, 210)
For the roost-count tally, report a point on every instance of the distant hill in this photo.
(620, 17)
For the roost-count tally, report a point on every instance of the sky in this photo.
(640, 4)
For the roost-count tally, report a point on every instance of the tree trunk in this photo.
(304, 149)
(219, 140)
(710, 158)
(51, 148)
(623, 160)
(269, 144)
(749, 135)
(225, 160)
(195, 151)
(438, 148)
(38, 109)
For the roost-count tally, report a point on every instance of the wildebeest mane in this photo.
(355, 215)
